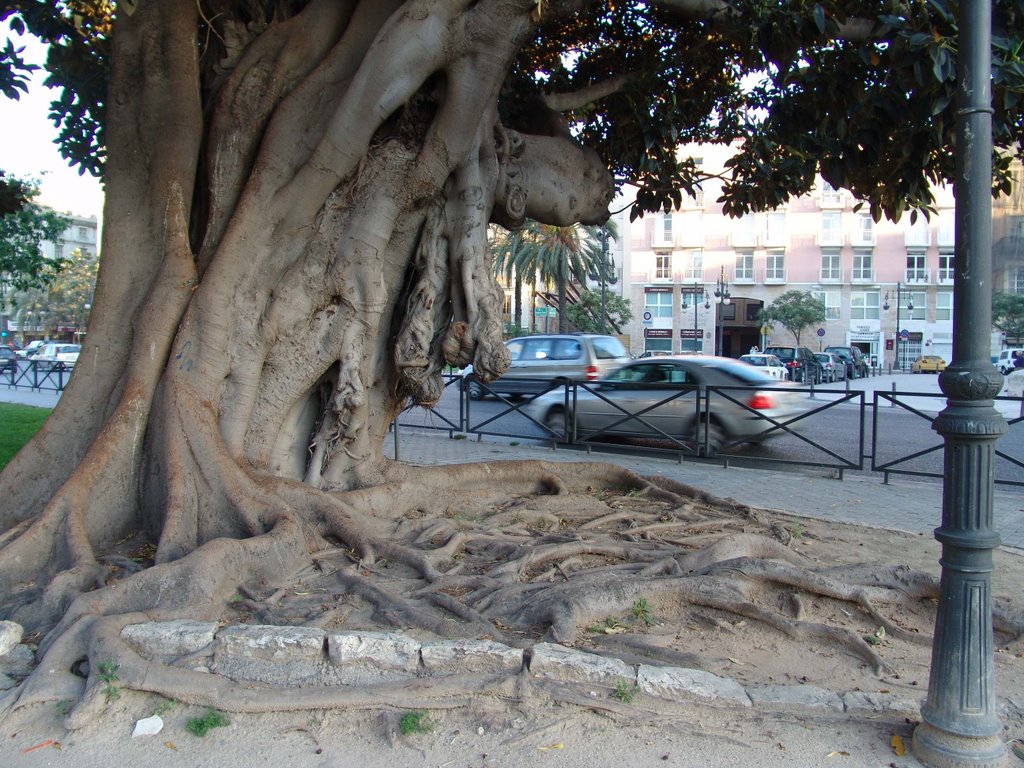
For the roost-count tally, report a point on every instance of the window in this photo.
(83, 233)
(943, 305)
(864, 234)
(916, 272)
(917, 235)
(693, 265)
(608, 348)
(775, 267)
(947, 228)
(831, 269)
(691, 229)
(663, 229)
(775, 228)
(658, 304)
(744, 268)
(864, 305)
(831, 229)
(830, 195)
(920, 310)
(945, 267)
(1017, 281)
(663, 266)
(862, 266)
(832, 301)
(743, 232)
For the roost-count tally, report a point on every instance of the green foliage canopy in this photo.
(23, 265)
(1008, 315)
(585, 313)
(859, 91)
(794, 311)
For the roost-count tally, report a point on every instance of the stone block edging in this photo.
(312, 657)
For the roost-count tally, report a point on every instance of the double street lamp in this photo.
(722, 298)
(899, 303)
(695, 297)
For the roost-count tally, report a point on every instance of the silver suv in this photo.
(539, 360)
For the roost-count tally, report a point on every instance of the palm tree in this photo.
(554, 254)
(504, 246)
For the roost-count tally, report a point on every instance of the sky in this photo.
(27, 149)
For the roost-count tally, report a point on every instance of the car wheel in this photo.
(715, 438)
(555, 421)
(476, 392)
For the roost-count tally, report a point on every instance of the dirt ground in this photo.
(531, 728)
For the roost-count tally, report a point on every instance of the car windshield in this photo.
(754, 360)
(746, 374)
(783, 353)
(608, 348)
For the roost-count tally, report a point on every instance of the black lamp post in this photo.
(959, 723)
(899, 303)
(722, 298)
(695, 298)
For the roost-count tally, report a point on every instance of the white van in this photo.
(1007, 359)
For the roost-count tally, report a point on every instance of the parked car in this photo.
(662, 392)
(856, 364)
(50, 355)
(8, 360)
(539, 360)
(928, 364)
(833, 366)
(800, 362)
(767, 364)
(26, 352)
(1008, 360)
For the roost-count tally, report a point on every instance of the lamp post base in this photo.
(939, 749)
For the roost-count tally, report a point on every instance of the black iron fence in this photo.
(872, 437)
(37, 375)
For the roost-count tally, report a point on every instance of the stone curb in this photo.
(311, 657)
(307, 657)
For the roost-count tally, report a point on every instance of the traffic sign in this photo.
(904, 334)
(821, 332)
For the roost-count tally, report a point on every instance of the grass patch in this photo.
(200, 726)
(414, 722)
(20, 423)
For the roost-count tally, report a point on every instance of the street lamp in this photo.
(695, 294)
(722, 298)
(910, 308)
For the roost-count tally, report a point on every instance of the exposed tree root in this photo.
(516, 552)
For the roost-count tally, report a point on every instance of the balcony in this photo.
(775, 277)
(946, 276)
(830, 239)
(861, 238)
(862, 275)
(916, 276)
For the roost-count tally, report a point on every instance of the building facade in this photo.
(698, 279)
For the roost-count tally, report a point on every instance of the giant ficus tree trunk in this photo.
(294, 246)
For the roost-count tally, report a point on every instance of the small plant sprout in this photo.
(642, 612)
(414, 722)
(108, 676)
(634, 492)
(625, 691)
(200, 726)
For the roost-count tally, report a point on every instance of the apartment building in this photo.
(697, 279)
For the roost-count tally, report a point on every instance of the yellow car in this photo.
(928, 364)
